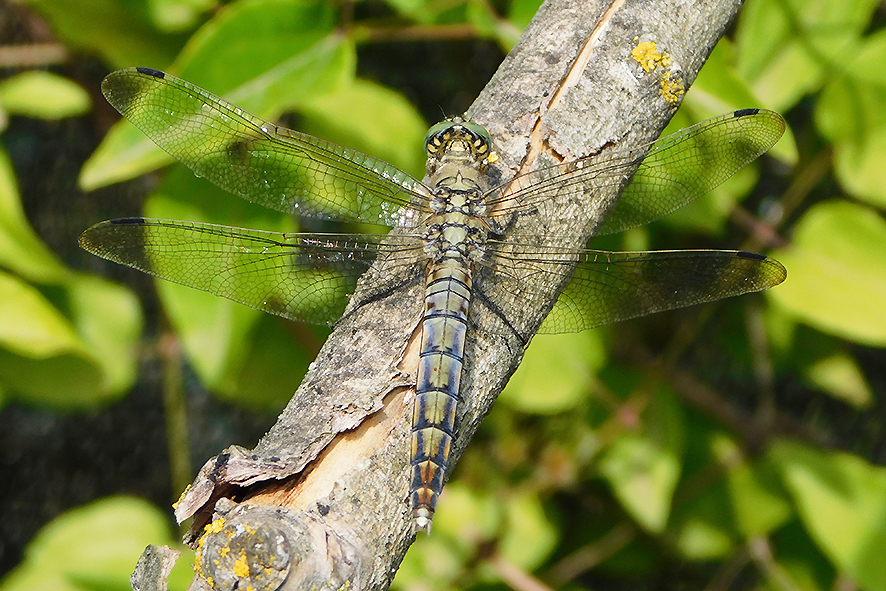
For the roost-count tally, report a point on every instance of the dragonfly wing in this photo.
(262, 162)
(304, 277)
(670, 172)
(607, 287)
(688, 164)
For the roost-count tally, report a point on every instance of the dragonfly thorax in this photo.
(458, 189)
(457, 228)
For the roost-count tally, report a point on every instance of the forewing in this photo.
(304, 277)
(264, 163)
(670, 172)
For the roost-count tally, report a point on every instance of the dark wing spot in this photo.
(151, 72)
(745, 112)
(238, 151)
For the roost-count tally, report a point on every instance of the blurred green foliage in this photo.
(96, 547)
(67, 339)
(614, 455)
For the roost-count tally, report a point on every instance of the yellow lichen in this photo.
(210, 528)
(241, 568)
(181, 497)
(647, 55)
(216, 526)
(671, 88)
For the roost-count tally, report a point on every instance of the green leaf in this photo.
(837, 272)
(66, 381)
(432, 562)
(701, 529)
(124, 154)
(718, 89)
(31, 326)
(411, 8)
(859, 166)
(852, 114)
(43, 95)
(791, 74)
(823, 360)
(643, 468)
(842, 502)
(272, 365)
(520, 12)
(178, 15)
(254, 43)
(786, 48)
(556, 372)
(47, 358)
(759, 503)
(108, 318)
(21, 250)
(529, 537)
(119, 31)
(488, 24)
(95, 547)
(44, 361)
(840, 375)
(464, 515)
(801, 560)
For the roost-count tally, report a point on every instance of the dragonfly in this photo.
(453, 231)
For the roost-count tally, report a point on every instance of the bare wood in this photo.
(321, 502)
(153, 568)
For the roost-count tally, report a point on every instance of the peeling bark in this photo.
(321, 502)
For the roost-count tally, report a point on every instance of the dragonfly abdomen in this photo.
(447, 299)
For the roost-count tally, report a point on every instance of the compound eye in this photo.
(432, 138)
(479, 131)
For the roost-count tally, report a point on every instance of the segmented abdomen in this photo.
(447, 298)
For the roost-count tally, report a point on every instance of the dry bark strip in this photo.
(321, 502)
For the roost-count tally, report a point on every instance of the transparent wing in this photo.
(264, 163)
(611, 286)
(304, 277)
(673, 171)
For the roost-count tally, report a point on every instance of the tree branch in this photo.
(321, 502)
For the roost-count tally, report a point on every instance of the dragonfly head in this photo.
(460, 138)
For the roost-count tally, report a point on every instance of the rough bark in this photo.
(321, 502)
